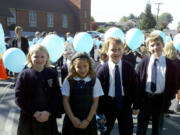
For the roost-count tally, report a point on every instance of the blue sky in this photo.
(113, 10)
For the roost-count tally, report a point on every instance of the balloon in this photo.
(2, 47)
(70, 40)
(162, 34)
(83, 42)
(176, 41)
(39, 41)
(96, 42)
(114, 32)
(1, 32)
(134, 38)
(2, 42)
(168, 38)
(30, 43)
(14, 59)
(55, 46)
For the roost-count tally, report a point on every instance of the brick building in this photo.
(46, 15)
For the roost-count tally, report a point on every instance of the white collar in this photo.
(86, 79)
(112, 64)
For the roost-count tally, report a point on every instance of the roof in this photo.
(58, 6)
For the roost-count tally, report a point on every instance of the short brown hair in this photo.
(112, 40)
(154, 37)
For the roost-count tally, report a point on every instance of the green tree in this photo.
(131, 16)
(148, 21)
(92, 19)
(165, 19)
(123, 19)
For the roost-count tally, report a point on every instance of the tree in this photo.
(165, 19)
(124, 19)
(141, 15)
(131, 16)
(148, 21)
(92, 19)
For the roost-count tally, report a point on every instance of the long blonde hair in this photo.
(76, 58)
(170, 51)
(34, 49)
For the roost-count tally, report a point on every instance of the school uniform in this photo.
(23, 44)
(108, 104)
(65, 70)
(131, 58)
(155, 103)
(38, 91)
(81, 93)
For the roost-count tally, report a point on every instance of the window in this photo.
(85, 14)
(12, 20)
(85, 26)
(32, 19)
(50, 20)
(65, 21)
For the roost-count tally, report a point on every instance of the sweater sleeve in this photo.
(21, 95)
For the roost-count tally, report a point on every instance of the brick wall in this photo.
(85, 6)
(3, 21)
(82, 5)
(22, 19)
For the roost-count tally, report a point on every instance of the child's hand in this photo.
(44, 116)
(36, 114)
(84, 124)
(76, 122)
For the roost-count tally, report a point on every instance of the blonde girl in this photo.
(171, 53)
(37, 94)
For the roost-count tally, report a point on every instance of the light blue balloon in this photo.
(14, 59)
(2, 41)
(162, 34)
(83, 42)
(2, 47)
(1, 33)
(114, 32)
(30, 43)
(70, 40)
(39, 41)
(134, 38)
(55, 46)
(96, 42)
(176, 41)
(168, 39)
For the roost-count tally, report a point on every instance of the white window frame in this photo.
(50, 19)
(65, 21)
(12, 20)
(85, 13)
(85, 26)
(32, 19)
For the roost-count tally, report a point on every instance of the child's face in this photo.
(115, 52)
(155, 48)
(82, 68)
(39, 60)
